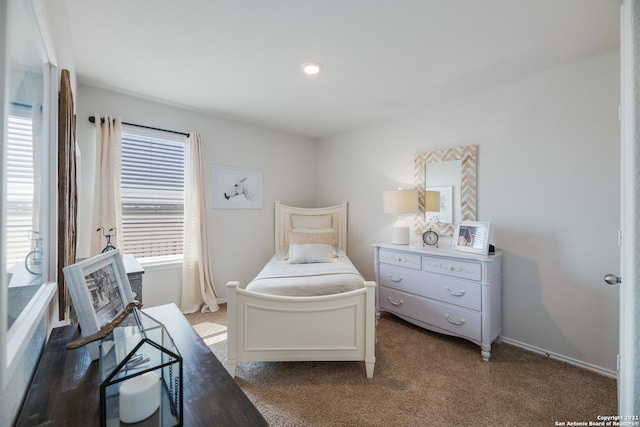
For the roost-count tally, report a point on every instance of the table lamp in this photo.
(401, 202)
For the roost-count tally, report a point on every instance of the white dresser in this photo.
(443, 290)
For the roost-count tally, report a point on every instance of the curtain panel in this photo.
(198, 291)
(107, 209)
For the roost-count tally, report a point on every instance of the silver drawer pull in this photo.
(455, 294)
(461, 322)
(393, 279)
(395, 303)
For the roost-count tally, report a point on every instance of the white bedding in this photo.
(279, 277)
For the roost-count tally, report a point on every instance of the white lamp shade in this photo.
(400, 201)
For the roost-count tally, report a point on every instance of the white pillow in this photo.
(311, 221)
(301, 236)
(311, 253)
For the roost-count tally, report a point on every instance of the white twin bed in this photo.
(309, 303)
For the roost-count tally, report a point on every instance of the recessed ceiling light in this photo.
(311, 68)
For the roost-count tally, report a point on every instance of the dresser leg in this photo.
(486, 354)
(369, 368)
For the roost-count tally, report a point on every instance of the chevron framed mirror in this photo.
(452, 166)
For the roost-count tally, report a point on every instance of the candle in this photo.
(139, 397)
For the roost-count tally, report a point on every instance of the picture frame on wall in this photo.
(472, 236)
(100, 290)
(445, 215)
(234, 188)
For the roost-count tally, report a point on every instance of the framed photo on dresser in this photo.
(472, 236)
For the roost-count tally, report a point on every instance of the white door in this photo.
(628, 368)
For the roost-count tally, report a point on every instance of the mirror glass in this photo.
(445, 178)
(452, 172)
(25, 160)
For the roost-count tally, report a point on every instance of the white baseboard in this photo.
(571, 361)
(546, 353)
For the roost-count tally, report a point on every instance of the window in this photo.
(152, 194)
(19, 184)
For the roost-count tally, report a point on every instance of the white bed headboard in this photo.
(283, 221)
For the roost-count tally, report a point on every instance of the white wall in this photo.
(548, 182)
(240, 241)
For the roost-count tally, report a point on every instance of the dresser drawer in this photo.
(401, 278)
(444, 316)
(453, 267)
(401, 259)
(455, 291)
(443, 288)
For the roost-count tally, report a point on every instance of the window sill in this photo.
(161, 263)
(20, 334)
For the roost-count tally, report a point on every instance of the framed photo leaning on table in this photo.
(472, 236)
(99, 290)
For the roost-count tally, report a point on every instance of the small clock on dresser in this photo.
(430, 238)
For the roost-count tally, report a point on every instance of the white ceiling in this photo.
(240, 59)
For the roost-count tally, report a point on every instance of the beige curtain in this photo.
(67, 188)
(198, 291)
(107, 210)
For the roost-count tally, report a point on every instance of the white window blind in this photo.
(152, 193)
(19, 184)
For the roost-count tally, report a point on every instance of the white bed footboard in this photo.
(338, 327)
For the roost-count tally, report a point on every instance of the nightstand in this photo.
(134, 274)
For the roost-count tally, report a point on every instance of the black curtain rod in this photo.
(92, 119)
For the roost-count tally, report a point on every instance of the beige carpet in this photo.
(421, 379)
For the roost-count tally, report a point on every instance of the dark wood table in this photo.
(65, 390)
